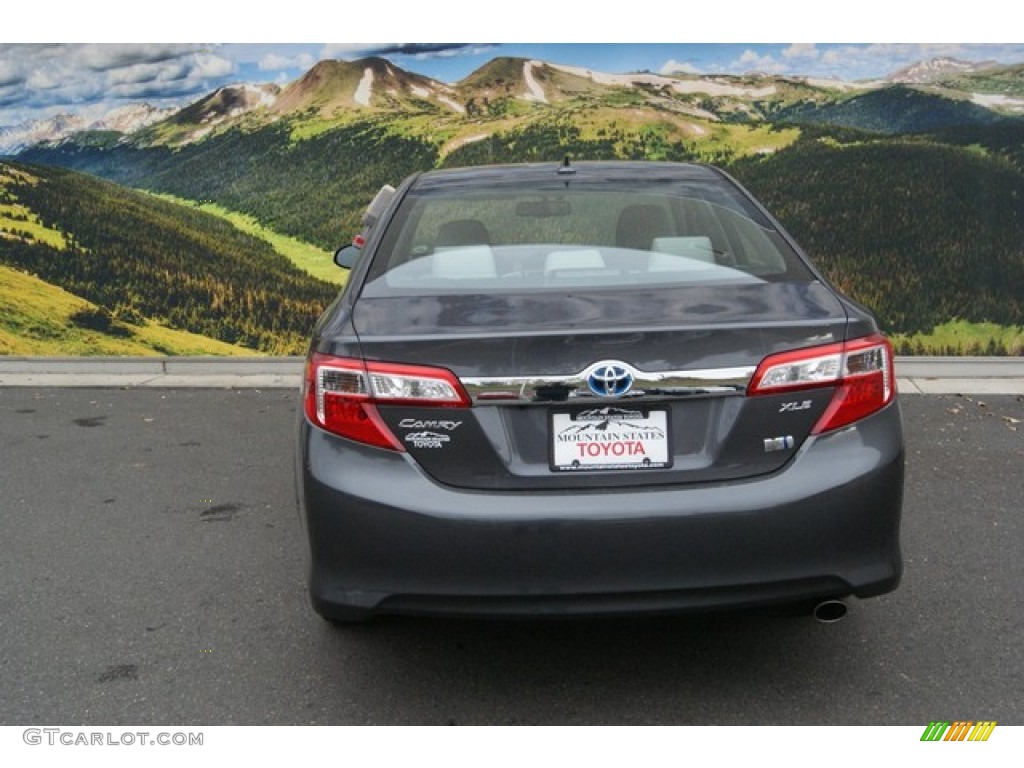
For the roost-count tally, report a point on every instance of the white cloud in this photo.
(346, 51)
(148, 73)
(10, 73)
(752, 61)
(801, 51)
(209, 65)
(102, 57)
(672, 65)
(37, 80)
(862, 62)
(275, 61)
(41, 80)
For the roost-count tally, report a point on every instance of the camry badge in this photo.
(610, 379)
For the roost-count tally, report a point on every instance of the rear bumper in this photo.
(384, 537)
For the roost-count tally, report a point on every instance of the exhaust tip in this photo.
(829, 611)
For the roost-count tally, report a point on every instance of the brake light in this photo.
(342, 394)
(861, 371)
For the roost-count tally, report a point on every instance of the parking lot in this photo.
(152, 573)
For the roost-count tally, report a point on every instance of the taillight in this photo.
(861, 371)
(341, 395)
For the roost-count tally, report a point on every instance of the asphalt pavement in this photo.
(152, 573)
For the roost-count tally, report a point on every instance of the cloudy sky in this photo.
(39, 80)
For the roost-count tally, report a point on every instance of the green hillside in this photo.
(310, 259)
(142, 259)
(867, 208)
(921, 233)
(37, 318)
(314, 189)
(1008, 81)
(897, 109)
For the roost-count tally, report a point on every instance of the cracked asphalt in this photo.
(152, 573)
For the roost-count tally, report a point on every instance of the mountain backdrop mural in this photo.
(207, 227)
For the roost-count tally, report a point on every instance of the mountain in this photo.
(131, 118)
(123, 120)
(333, 93)
(15, 138)
(527, 80)
(936, 70)
(225, 106)
(331, 88)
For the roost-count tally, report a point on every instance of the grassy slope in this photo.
(35, 319)
(150, 263)
(959, 337)
(17, 221)
(315, 261)
(16, 218)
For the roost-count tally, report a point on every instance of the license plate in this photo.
(609, 438)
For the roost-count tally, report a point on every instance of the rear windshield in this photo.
(514, 239)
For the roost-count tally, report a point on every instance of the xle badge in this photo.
(796, 405)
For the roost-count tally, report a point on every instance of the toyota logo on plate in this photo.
(610, 379)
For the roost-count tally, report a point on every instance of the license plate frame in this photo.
(610, 438)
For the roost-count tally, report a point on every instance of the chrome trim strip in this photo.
(647, 385)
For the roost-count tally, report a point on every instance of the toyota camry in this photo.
(593, 388)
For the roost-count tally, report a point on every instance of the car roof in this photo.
(586, 171)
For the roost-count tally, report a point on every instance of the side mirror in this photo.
(346, 256)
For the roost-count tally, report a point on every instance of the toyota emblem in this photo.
(610, 379)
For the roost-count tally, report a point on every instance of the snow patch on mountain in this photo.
(999, 101)
(534, 91)
(131, 118)
(933, 70)
(365, 88)
(699, 85)
(841, 85)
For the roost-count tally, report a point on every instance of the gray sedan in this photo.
(593, 388)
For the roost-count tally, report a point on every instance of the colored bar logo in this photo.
(961, 730)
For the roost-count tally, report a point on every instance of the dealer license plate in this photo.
(609, 437)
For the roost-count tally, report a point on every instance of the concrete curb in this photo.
(915, 375)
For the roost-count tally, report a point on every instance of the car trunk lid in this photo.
(544, 372)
